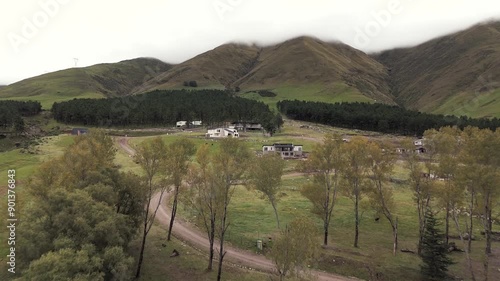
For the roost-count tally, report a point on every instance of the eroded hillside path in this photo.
(197, 239)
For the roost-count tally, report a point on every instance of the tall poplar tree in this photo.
(325, 165)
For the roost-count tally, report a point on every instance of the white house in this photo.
(196, 123)
(418, 142)
(286, 150)
(419, 146)
(181, 123)
(222, 133)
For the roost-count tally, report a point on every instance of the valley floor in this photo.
(252, 217)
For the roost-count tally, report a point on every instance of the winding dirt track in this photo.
(124, 145)
(197, 239)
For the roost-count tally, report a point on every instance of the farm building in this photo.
(419, 146)
(79, 131)
(420, 149)
(246, 126)
(401, 150)
(286, 150)
(419, 142)
(222, 133)
(179, 124)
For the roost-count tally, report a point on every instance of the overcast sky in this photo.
(40, 36)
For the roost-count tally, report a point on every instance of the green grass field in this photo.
(337, 93)
(189, 265)
(252, 217)
(482, 105)
(25, 162)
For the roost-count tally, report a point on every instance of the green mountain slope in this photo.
(218, 68)
(101, 80)
(454, 74)
(322, 71)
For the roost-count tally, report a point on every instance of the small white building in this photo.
(222, 133)
(181, 124)
(419, 142)
(185, 123)
(286, 150)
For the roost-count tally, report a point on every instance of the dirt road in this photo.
(123, 142)
(194, 237)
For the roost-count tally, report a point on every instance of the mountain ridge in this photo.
(296, 62)
(431, 75)
(452, 74)
(100, 80)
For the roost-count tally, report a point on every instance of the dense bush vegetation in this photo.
(376, 117)
(190, 84)
(11, 113)
(266, 93)
(165, 108)
(81, 216)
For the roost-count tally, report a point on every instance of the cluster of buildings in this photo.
(232, 130)
(419, 147)
(222, 133)
(285, 150)
(180, 124)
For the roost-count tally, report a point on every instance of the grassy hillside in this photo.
(102, 80)
(446, 74)
(307, 61)
(472, 104)
(455, 74)
(218, 68)
(303, 64)
(338, 92)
